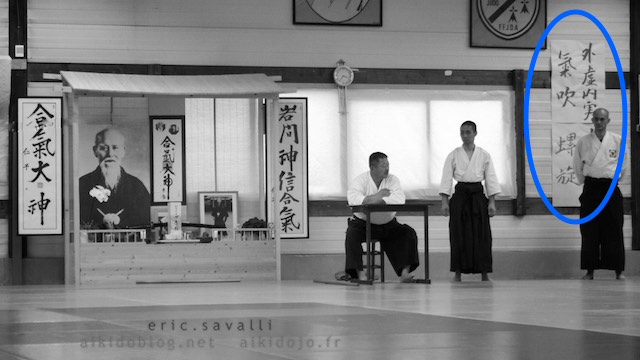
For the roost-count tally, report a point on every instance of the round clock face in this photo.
(343, 75)
(337, 10)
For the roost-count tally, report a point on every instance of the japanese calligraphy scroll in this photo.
(167, 159)
(577, 89)
(291, 168)
(40, 166)
(566, 189)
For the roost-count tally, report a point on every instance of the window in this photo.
(415, 127)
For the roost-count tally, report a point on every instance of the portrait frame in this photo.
(206, 204)
(495, 28)
(167, 142)
(325, 12)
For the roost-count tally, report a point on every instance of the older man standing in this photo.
(109, 196)
(595, 160)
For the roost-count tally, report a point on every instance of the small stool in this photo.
(375, 251)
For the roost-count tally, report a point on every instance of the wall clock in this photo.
(343, 75)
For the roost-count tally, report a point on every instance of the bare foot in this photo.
(588, 276)
(619, 275)
(362, 275)
(406, 277)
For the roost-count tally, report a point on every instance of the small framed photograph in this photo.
(338, 12)
(220, 209)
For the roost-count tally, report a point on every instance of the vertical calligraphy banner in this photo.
(577, 89)
(577, 80)
(291, 168)
(167, 160)
(40, 166)
(566, 189)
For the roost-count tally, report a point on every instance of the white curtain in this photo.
(224, 149)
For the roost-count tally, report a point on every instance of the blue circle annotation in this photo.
(623, 97)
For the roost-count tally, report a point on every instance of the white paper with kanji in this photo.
(291, 169)
(566, 189)
(40, 166)
(577, 80)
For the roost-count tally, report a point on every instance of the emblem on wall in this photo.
(507, 23)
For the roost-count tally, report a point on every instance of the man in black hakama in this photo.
(595, 160)
(399, 241)
(469, 207)
(469, 230)
(602, 239)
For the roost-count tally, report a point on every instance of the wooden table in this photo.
(368, 209)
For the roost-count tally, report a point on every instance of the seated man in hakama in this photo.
(469, 208)
(399, 241)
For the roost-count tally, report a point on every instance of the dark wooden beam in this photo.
(533, 206)
(542, 80)
(17, 26)
(634, 16)
(17, 36)
(293, 75)
(519, 83)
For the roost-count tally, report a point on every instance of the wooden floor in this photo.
(552, 319)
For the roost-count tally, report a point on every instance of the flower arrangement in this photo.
(100, 193)
(254, 223)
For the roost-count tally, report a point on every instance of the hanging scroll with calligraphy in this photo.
(577, 80)
(566, 189)
(40, 166)
(291, 169)
(167, 160)
(577, 89)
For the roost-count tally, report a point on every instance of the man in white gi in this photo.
(469, 229)
(399, 241)
(594, 161)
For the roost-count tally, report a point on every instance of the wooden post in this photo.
(519, 83)
(634, 17)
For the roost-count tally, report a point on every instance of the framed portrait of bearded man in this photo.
(114, 173)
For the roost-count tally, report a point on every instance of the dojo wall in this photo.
(430, 34)
(415, 34)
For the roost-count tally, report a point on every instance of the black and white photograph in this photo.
(219, 209)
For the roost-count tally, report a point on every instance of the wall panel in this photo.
(415, 34)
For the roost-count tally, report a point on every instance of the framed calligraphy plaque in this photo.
(291, 180)
(338, 12)
(40, 166)
(167, 160)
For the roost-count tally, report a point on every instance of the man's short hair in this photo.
(375, 157)
(469, 123)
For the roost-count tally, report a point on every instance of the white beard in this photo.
(111, 175)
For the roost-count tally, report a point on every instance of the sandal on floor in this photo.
(343, 276)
